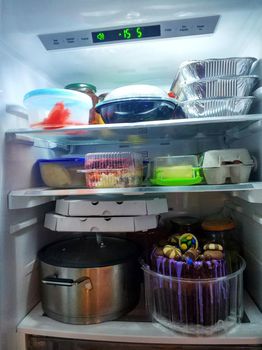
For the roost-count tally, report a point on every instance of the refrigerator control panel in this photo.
(130, 33)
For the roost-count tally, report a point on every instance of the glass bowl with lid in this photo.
(138, 103)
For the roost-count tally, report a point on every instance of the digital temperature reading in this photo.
(128, 33)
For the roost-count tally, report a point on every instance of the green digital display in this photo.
(127, 33)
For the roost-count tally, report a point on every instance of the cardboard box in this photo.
(76, 207)
(57, 222)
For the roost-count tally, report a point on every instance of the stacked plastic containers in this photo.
(215, 87)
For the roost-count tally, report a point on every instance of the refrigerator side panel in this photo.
(20, 230)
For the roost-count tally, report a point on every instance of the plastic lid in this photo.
(81, 160)
(85, 252)
(136, 91)
(218, 224)
(81, 87)
(57, 93)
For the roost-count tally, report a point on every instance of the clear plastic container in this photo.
(113, 169)
(176, 170)
(137, 103)
(57, 108)
(196, 306)
(62, 172)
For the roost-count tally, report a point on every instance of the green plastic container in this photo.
(176, 171)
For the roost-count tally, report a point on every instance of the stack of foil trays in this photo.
(215, 87)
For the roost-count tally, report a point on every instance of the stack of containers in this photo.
(215, 87)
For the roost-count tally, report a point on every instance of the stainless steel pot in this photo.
(83, 282)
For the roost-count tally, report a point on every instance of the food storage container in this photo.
(57, 108)
(175, 171)
(201, 306)
(191, 71)
(113, 169)
(62, 172)
(88, 280)
(137, 103)
(227, 165)
(219, 87)
(220, 107)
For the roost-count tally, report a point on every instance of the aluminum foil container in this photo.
(191, 71)
(223, 107)
(219, 87)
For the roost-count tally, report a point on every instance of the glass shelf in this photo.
(141, 133)
(131, 329)
(35, 196)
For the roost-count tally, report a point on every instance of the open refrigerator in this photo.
(26, 64)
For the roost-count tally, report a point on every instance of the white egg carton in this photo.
(227, 165)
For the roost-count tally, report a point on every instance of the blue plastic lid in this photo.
(80, 159)
(59, 92)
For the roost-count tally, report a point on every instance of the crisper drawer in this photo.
(49, 343)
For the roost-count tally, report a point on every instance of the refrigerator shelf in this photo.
(136, 327)
(139, 133)
(32, 197)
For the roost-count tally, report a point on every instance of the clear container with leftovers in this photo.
(176, 170)
(219, 87)
(57, 108)
(227, 165)
(191, 71)
(220, 107)
(113, 169)
(62, 172)
(138, 103)
(190, 288)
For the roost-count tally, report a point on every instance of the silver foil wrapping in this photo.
(211, 68)
(219, 87)
(207, 108)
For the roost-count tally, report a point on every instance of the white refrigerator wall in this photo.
(21, 231)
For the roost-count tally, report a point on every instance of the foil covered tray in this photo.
(191, 71)
(219, 87)
(223, 107)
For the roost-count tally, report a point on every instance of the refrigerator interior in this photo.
(26, 65)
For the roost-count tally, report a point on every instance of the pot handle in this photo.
(66, 282)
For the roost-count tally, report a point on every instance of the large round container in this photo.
(57, 108)
(138, 103)
(85, 281)
(196, 306)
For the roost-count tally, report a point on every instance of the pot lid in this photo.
(85, 252)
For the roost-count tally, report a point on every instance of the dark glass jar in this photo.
(185, 224)
(90, 90)
(222, 230)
